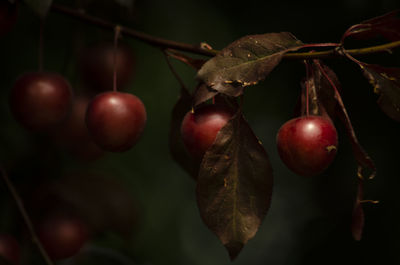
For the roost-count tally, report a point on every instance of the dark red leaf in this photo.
(330, 82)
(387, 26)
(246, 61)
(386, 83)
(177, 148)
(234, 185)
(325, 92)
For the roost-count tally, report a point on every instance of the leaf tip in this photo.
(234, 249)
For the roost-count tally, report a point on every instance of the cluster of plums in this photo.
(62, 236)
(115, 121)
(307, 145)
(42, 101)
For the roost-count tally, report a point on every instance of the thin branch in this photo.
(25, 216)
(334, 53)
(149, 39)
(197, 49)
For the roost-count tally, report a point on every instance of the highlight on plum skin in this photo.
(116, 120)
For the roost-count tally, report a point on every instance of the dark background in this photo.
(309, 219)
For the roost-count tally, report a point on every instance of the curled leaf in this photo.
(387, 26)
(329, 81)
(234, 186)
(246, 61)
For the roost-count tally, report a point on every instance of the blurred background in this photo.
(140, 205)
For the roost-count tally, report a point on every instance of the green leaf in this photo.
(234, 185)
(246, 61)
(176, 146)
(40, 7)
(386, 83)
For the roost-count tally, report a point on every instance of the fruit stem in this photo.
(25, 215)
(116, 36)
(307, 87)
